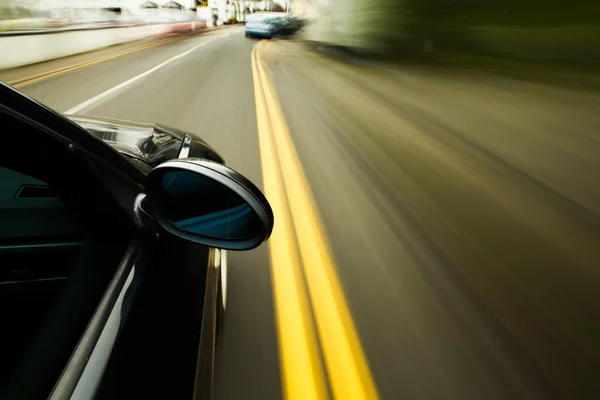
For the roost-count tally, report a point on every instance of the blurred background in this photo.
(19, 15)
(452, 147)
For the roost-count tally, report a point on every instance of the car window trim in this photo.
(21, 106)
(75, 147)
(75, 368)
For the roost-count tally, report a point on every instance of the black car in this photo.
(112, 243)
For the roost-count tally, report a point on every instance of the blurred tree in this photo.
(277, 8)
(459, 24)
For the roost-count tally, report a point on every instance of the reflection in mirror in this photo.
(202, 206)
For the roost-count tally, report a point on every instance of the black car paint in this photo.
(24, 108)
(158, 336)
(153, 143)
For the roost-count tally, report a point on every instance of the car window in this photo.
(31, 209)
(57, 256)
(40, 241)
(256, 17)
(275, 20)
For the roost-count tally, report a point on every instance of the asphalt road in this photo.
(462, 211)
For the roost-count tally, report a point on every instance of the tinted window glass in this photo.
(40, 241)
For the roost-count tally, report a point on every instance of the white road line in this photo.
(104, 95)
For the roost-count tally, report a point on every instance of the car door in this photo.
(99, 303)
(63, 236)
(139, 299)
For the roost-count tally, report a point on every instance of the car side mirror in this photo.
(208, 203)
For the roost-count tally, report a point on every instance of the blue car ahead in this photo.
(271, 25)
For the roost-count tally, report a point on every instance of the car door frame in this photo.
(126, 183)
(123, 182)
(83, 373)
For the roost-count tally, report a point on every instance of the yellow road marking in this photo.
(346, 363)
(27, 81)
(302, 374)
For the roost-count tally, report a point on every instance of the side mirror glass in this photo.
(209, 203)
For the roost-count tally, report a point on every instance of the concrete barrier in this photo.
(25, 49)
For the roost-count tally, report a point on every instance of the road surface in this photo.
(442, 228)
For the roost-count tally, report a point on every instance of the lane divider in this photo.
(345, 361)
(301, 370)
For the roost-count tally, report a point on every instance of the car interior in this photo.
(61, 239)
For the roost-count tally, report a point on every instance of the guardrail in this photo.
(24, 47)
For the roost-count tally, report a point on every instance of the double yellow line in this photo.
(313, 318)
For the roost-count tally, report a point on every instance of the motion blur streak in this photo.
(106, 94)
(346, 363)
(30, 80)
(455, 173)
(302, 373)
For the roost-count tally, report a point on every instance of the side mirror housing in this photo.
(208, 203)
